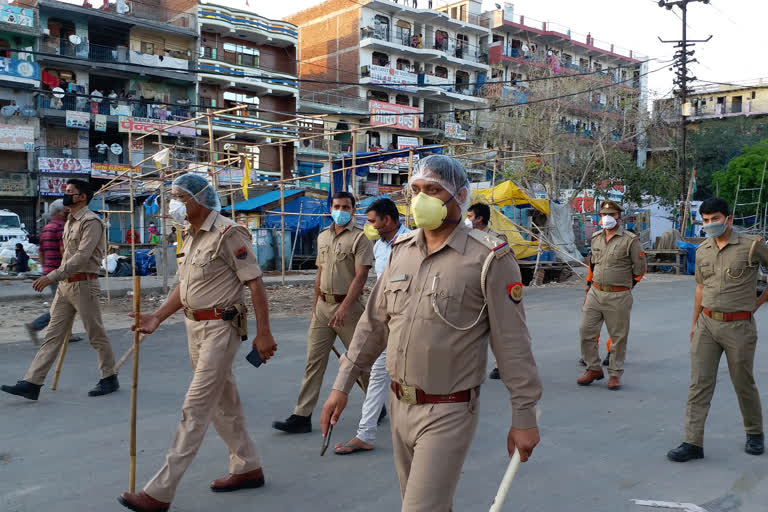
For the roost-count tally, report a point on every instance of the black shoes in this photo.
(23, 388)
(105, 386)
(494, 374)
(382, 415)
(582, 363)
(754, 445)
(686, 452)
(607, 360)
(295, 424)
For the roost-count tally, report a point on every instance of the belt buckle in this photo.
(718, 315)
(189, 313)
(330, 298)
(408, 394)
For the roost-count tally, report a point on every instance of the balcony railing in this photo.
(254, 124)
(141, 10)
(113, 55)
(121, 108)
(449, 46)
(337, 101)
(255, 75)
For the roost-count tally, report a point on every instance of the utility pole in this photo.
(681, 80)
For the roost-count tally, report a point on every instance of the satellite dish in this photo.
(58, 92)
(229, 146)
(97, 97)
(75, 39)
(116, 149)
(7, 110)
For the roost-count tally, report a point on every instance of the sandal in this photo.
(352, 447)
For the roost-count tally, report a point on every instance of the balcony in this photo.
(50, 106)
(19, 71)
(433, 49)
(471, 23)
(19, 20)
(251, 125)
(336, 103)
(247, 26)
(130, 12)
(254, 79)
(118, 58)
(552, 32)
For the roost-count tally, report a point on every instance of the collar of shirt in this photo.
(79, 214)
(456, 240)
(402, 229)
(349, 227)
(732, 240)
(208, 223)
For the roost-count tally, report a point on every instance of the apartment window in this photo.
(148, 48)
(441, 40)
(441, 72)
(583, 64)
(404, 64)
(244, 55)
(207, 52)
(236, 98)
(754, 94)
(378, 96)
(252, 153)
(403, 32)
(402, 99)
(381, 27)
(380, 59)
(208, 102)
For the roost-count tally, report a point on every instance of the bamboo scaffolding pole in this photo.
(135, 380)
(211, 162)
(281, 252)
(408, 196)
(354, 162)
(296, 238)
(106, 243)
(232, 190)
(279, 123)
(163, 218)
(192, 119)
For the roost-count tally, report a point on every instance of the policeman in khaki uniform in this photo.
(215, 263)
(617, 265)
(344, 258)
(434, 323)
(727, 266)
(78, 292)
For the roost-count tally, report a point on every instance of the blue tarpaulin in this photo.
(371, 158)
(690, 260)
(309, 207)
(255, 204)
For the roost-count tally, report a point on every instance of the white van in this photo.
(11, 227)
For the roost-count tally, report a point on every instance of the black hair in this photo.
(481, 210)
(714, 205)
(341, 194)
(83, 187)
(384, 207)
(20, 246)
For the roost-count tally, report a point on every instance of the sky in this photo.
(737, 27)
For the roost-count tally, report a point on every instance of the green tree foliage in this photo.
(749, 166)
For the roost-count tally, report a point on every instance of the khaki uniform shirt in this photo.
(619, 261)
(494, 233)
(728, 275)
(83, 246)
(338, 255)
(423, 350)
(215, 263)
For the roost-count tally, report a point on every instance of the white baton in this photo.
(509, 475)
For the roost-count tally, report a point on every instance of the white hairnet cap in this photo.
(446, 172)
(199, 188)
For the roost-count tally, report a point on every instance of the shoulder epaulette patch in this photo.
(402, 238)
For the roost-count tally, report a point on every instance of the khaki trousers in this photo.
(710, 339)
(80, 297)
(430, 443)
(320, 340)
(612, 308)
(212, 398)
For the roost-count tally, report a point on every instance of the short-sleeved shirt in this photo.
(729, 275)
(51, 243)
(215, 263)
(382, 249)
(423, 350)
(338, 255)
(84, 241)
(618, 261)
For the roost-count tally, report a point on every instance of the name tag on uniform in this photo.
(401, 277)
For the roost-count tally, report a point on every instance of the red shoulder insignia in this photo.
(515, 292)
(226, 229)
(241, 253)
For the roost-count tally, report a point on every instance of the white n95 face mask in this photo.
(178, 211)
(608, 222)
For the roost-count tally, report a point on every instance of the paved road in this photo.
(599, 449)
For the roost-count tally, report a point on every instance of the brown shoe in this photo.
(613, 383)
(251, 480)
(142, 502)
(589, 377)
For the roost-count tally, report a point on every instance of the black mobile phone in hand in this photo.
(254, 358)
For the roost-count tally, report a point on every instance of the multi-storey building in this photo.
(523, 48)
(414, 70)
(19, 126)
(717, 101)
(108, 71)
(247, 59)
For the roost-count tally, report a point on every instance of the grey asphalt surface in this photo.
(599, 449)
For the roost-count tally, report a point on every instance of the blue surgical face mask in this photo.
(714, 229)
(341, 217)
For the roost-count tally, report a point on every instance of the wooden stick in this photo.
(509, 475)
(281, 252)
(135, 382)
(296, 238)
(62, 353)
(211, 163)
(408, 202)
(359, 381)
(354, 162)
(127, 354)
